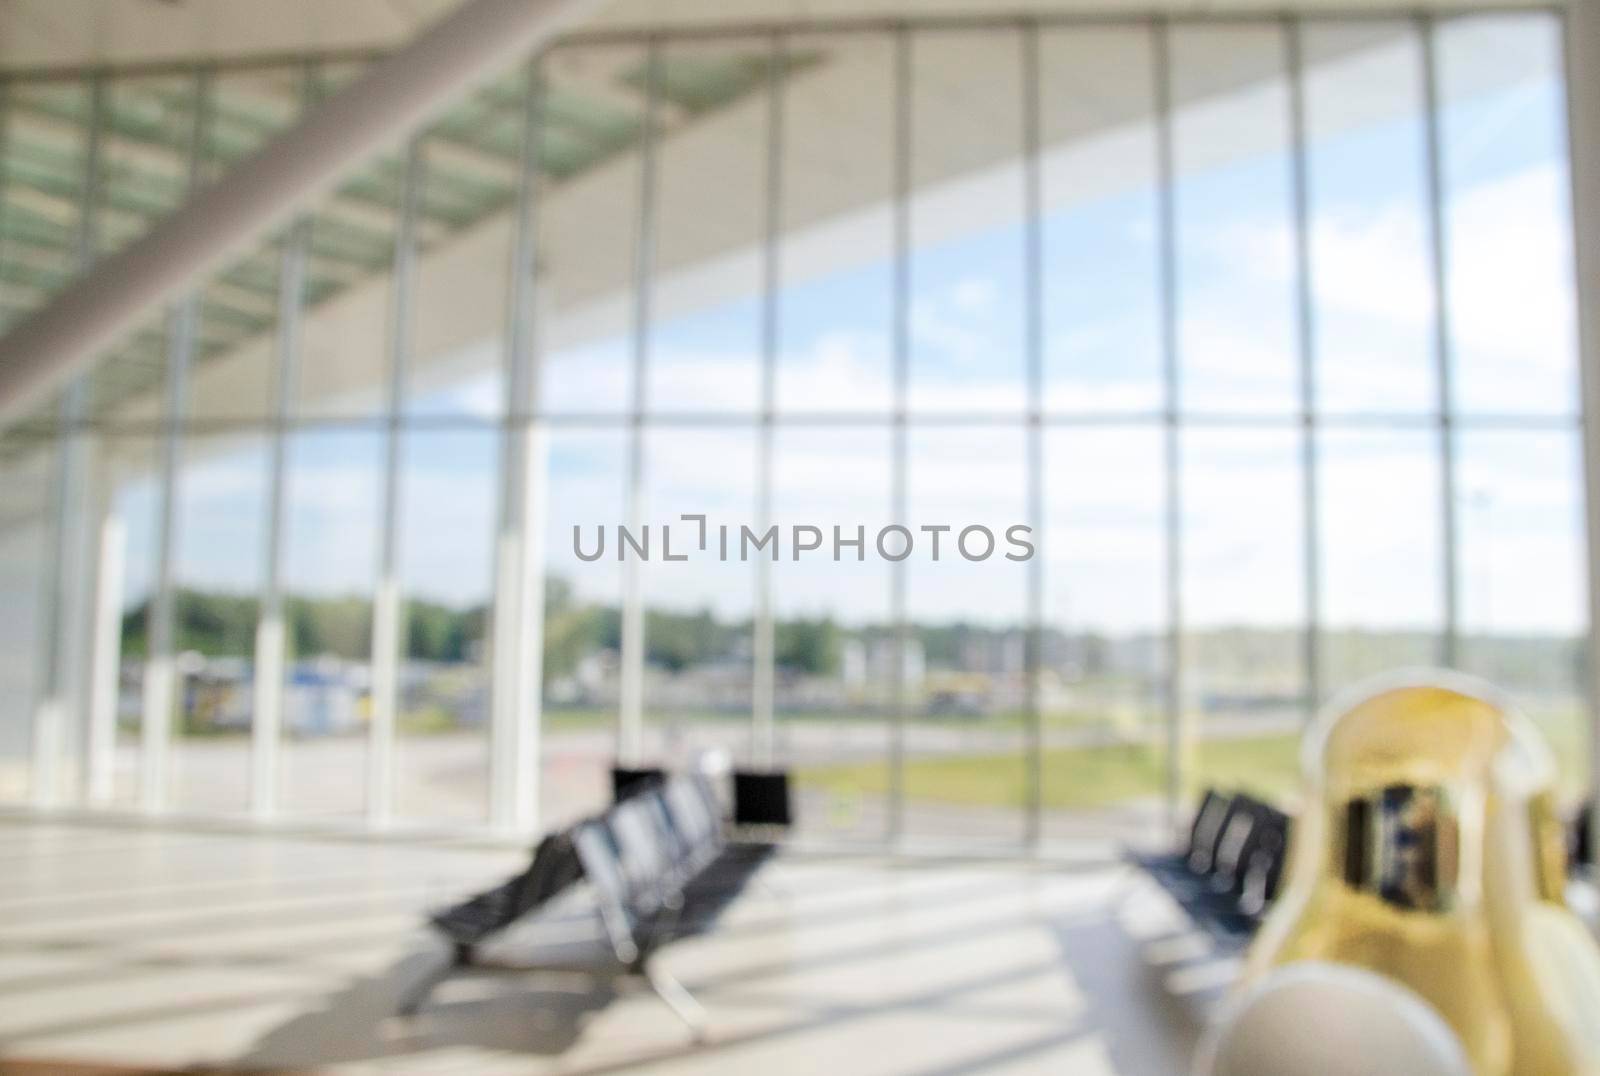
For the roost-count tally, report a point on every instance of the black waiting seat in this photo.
(554, 867)
(1227, 876)
(658, 866)
(1580, 845)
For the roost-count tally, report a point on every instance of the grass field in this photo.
(1073, 776)
(1102, 775)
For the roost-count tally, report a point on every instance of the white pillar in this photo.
(385, 699)
(100, 745)
(271, 645)
(516, 729)
(387, 612)
(266, 713)
(517, 635)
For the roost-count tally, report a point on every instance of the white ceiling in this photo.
(70, 33)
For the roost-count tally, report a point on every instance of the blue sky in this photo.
(1510, 298)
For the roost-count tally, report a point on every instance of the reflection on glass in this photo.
(1379, 548)
(217, 562)
(1103, 648)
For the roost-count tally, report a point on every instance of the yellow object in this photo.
(1429, 851)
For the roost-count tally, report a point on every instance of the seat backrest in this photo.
(1206, 828)
(693, 824)
(555, 866)
(1580, 842)
(597, 854)
(1203, 860)
(641, 842)
(1234, 846)
(1268, 850)
(701, 783)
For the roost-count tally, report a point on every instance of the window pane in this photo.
(705, 294)
(966, 222)
(835, 315)
(234, 376)
(1521, 583)
(1379, 545)
(331, 534)
(235, 373)
(47, 122)
(589, 219)
(447, 570)
(249, 108)
(218, 553)
(146, 134)
(582, 628)
(346, 342)
(471, 167)
(965, 773)
(697, 612)
(1103, 653)
(834, 652)
(1243, 605)
(1371, 271)
(1508, 221)
(1235, 283)
(1102, 324)
(125, 387)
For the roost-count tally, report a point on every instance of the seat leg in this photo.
(417, 994)
(678, 999)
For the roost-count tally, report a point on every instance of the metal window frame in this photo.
(160, 689)
(630, 710)
(388, 605)
(511, 779)
(1438, 272)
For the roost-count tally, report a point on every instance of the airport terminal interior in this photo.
(902, 536)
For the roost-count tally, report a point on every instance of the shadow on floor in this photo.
(533, 1013)
(539, 1014)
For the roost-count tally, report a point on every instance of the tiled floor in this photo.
(164, 948)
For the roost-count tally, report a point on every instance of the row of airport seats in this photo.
(1226, 877)
(659, 865)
